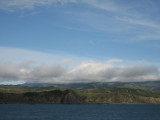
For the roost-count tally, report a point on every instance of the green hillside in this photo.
(145, 92)
(120, 95)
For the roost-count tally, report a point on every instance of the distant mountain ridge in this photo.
(152, 85)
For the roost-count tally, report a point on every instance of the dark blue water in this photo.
(79, 112)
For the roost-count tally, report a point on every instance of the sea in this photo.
(79, 112)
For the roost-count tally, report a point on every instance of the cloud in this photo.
(87, 71)
(28, 72)
(110, 6)
(141, 22)
(12, 5)
(18, 55)
(109, 72)
(122, 18)
(126, 18)
(28, 66)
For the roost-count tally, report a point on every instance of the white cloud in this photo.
(87, 71)
(107, 5)
(126, 19)
(108, 72)
(12, 5)
(29, 73)
(18, 55)
(123, 18)
(140, 22)
(20, 65)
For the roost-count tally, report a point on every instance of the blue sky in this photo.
(81, 30)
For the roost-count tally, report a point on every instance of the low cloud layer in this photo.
(87, 71)
(28, 72)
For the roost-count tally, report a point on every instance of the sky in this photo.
(72, 41)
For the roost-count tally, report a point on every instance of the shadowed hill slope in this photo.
(49, 97)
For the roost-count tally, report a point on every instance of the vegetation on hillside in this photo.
(147, 92)
(49, 97)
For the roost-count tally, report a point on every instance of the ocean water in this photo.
(79, 112)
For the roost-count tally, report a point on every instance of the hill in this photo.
(150, 85)
(136, 92)
(49, 97)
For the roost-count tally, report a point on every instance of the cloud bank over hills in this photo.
(111, 70)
